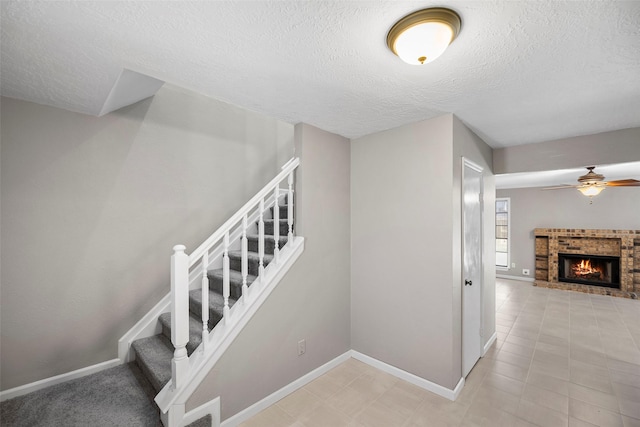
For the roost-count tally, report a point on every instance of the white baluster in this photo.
(261, 239)
(205, 300)
(179, 315)
(290, 208)
(245, 260)
(276, 224)
(225, 278)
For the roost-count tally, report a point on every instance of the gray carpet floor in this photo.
(119, 396)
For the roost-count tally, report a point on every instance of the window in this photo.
(503, 222)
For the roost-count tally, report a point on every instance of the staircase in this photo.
(214, 293)
(154, 354)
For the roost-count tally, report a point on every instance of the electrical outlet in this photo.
(525, 271)
(302, 347)
(513, 265)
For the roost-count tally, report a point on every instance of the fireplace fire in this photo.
(584, 270)
(589, 270)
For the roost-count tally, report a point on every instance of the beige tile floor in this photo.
(561, 359)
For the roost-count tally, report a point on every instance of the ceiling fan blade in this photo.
(624, 183)
(559, 187)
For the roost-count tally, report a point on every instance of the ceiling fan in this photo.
(591, 183)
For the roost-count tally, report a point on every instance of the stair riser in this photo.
(284, 228)
(235, 288)
(153, 357)
(195, 308)
(284, 211)
(194, 340)
(236, 264)
(149, 376)
(269, 245)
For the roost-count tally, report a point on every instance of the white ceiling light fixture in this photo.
(591, 190)
(422, 36)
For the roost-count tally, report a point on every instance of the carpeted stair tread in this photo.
(153, 356)
(284, 226)
(195, 331)
(235, 281)
(113, 397)
(253, 239)
(253, 258)
(216, 306)
(284, 211)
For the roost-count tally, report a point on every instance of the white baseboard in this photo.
(520, 278)
(411, 378)
(47, 382)
(263, 404)
(489, 343)
(257, 407)
(148, 326)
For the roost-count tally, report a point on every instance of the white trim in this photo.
(149, 325)
(237, 217)
(257, 407)
(409, 377)
(475, 167)
(489, 343)
(508, 200)
(47, 382)
(211, 407)
(146, 327)
(522, 279)
(224, 334)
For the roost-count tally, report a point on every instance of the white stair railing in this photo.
(182, 264)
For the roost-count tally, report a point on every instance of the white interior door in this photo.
(472, 265)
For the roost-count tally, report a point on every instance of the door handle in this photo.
(468, 282)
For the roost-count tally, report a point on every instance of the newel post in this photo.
(179, 314)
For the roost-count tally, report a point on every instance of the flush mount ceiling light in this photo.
(422, 36)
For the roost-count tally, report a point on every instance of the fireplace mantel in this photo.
(624, 244)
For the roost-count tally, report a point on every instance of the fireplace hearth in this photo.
(589, 270)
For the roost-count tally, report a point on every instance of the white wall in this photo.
(91, 208)
(614, 208)
(312, 301)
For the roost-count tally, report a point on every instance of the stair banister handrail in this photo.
(237, 217)
(181, 263)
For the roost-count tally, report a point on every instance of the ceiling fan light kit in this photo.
(592, 184)
(422, 36)
(591, 189)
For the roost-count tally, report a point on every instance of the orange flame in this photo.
(584, 268)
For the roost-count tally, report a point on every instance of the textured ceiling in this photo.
(519, 72)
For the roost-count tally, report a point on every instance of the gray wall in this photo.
(406, 245)
(92, 206)
(614, 208)
(468, 145)
(599, 149)
(401, 225)
(311, 302)
(532, 208)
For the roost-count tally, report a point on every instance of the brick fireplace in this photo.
(605, 262)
